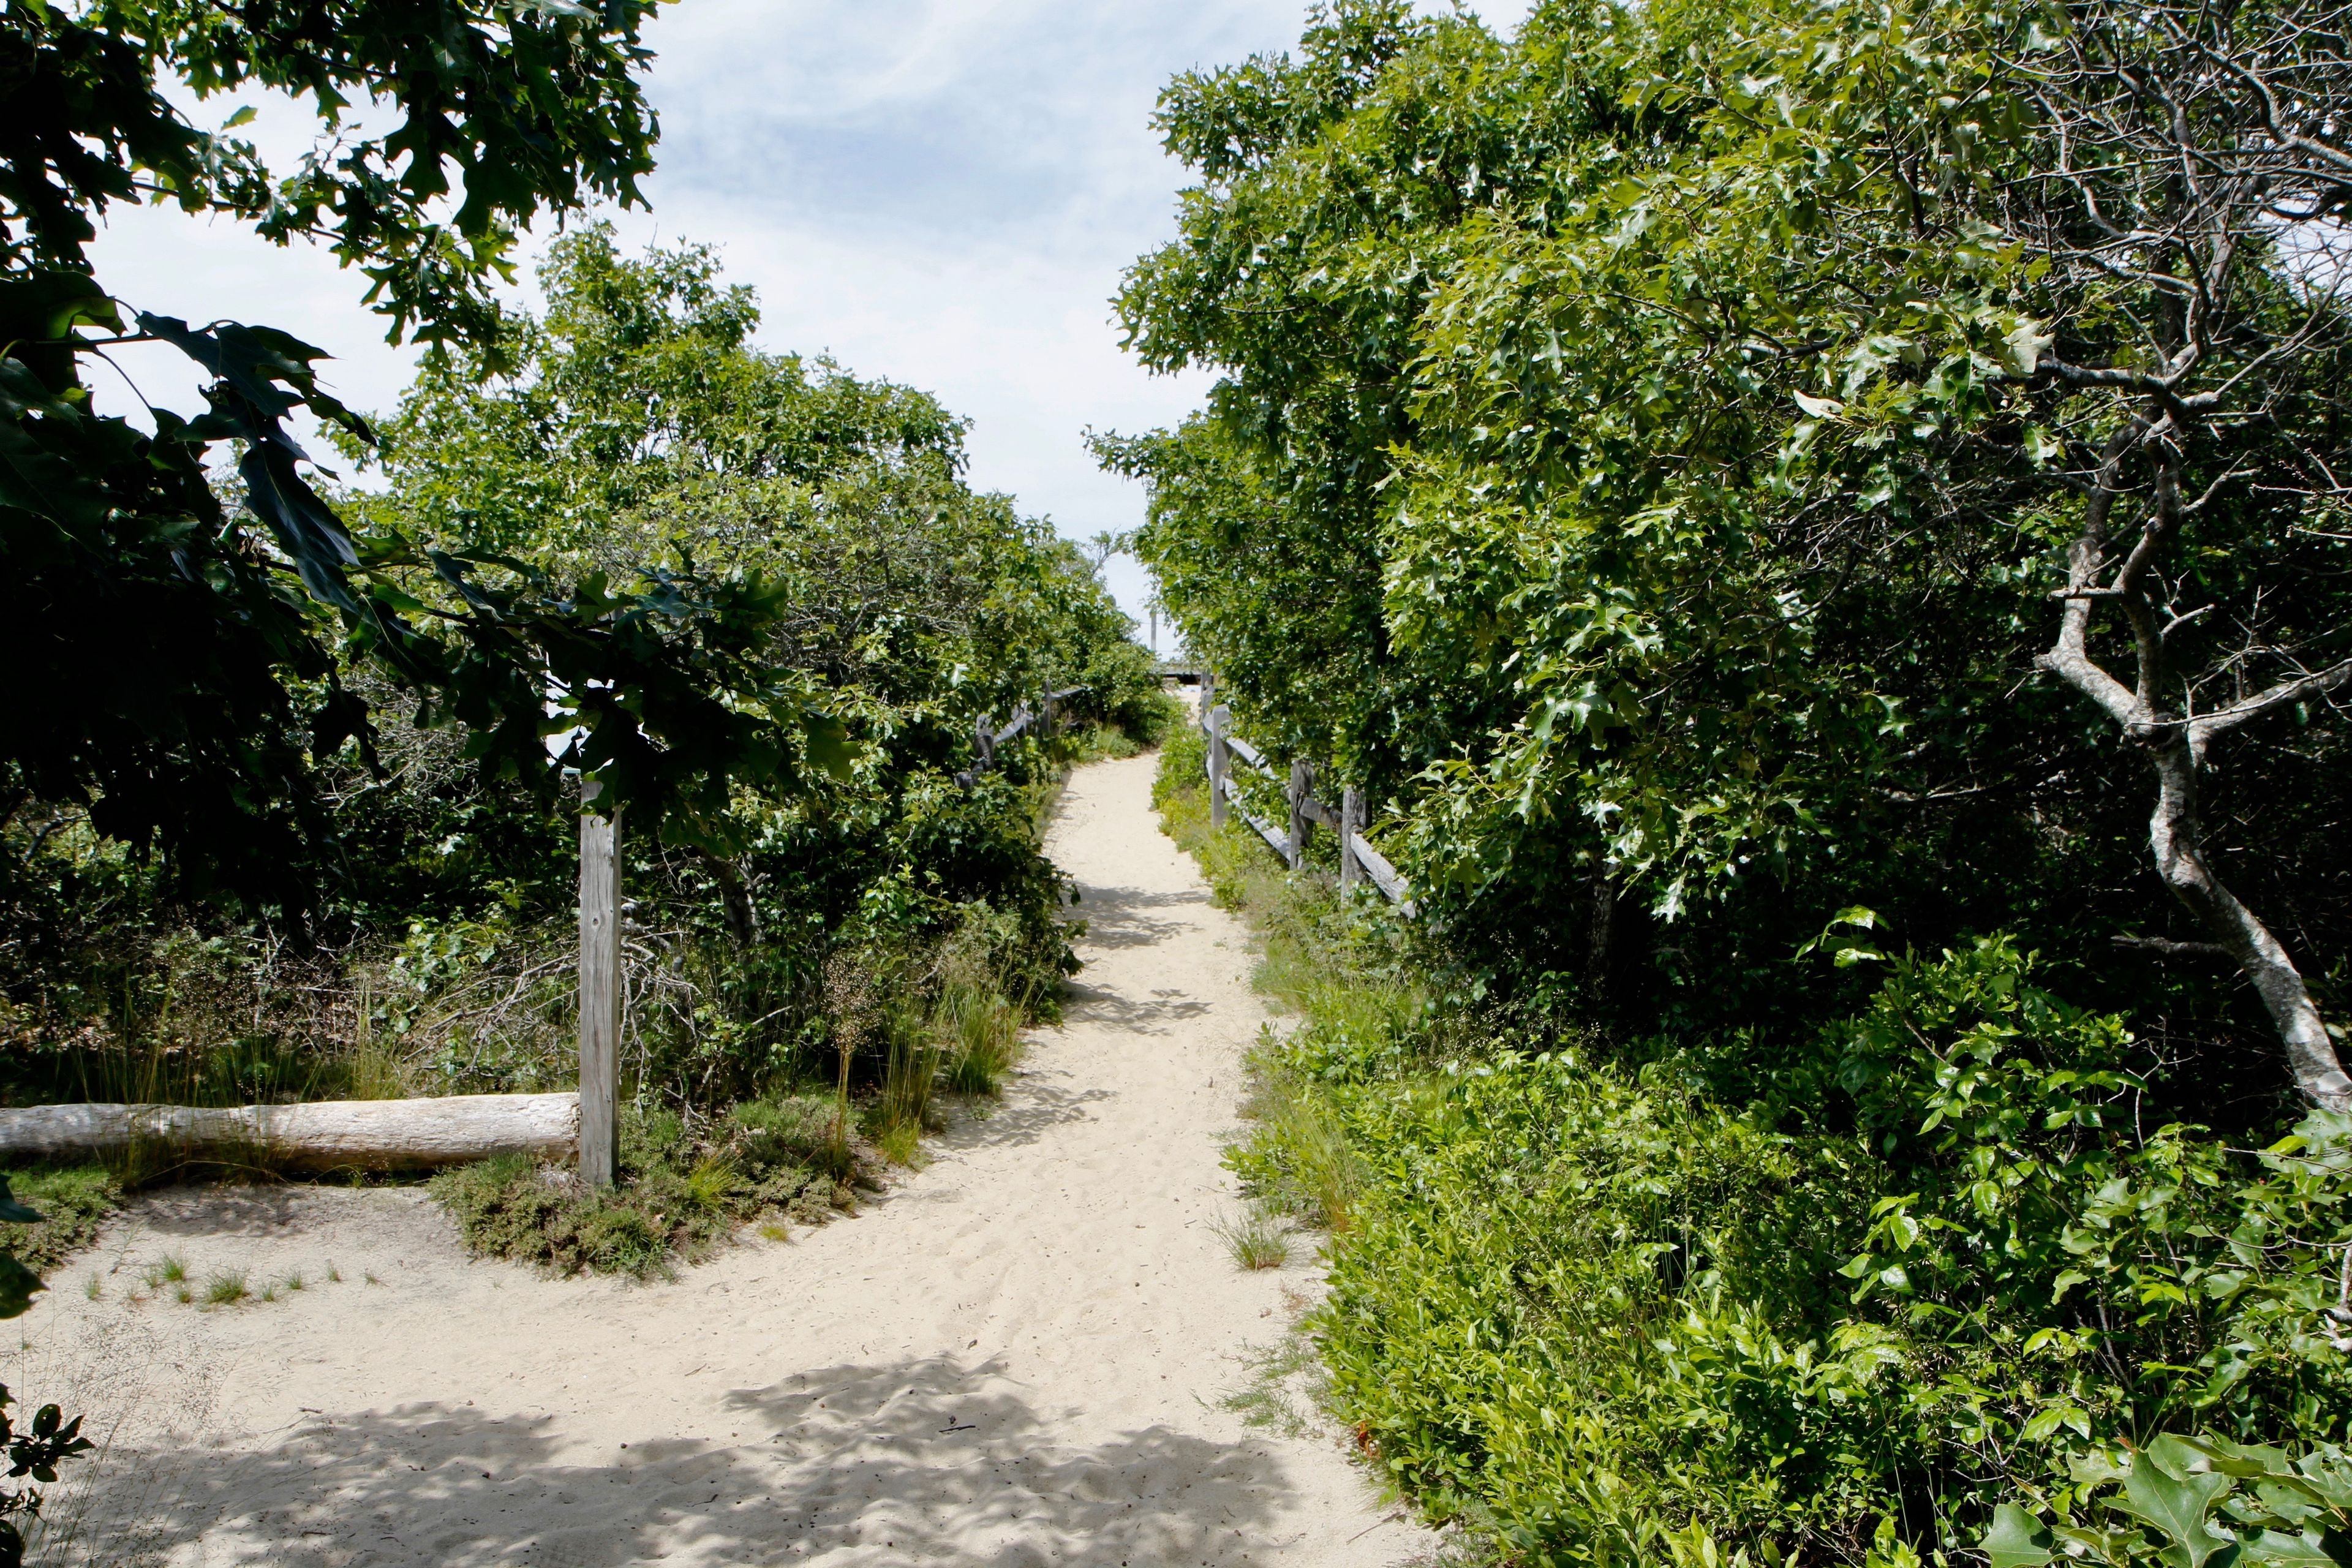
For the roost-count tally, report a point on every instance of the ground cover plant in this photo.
(1597, 1310)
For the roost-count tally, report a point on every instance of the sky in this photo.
(942, 193)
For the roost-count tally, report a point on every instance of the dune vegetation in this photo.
(1818, 530)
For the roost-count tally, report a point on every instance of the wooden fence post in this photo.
(1220, 765)
(1352, 822)
(600, 988)
(1302, 785)
(1217, 765)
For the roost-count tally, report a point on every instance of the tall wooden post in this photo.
(1302, 786)
(1352, 822)
(600, 989)
(1217, 764)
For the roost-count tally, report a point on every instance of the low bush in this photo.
(676, 1197)
(1595, 1307)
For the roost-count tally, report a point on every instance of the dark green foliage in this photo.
(35, 1449)
(182, 674)
(1645, 454)
(2183, 1502)
(635, 427)
(1646, 502)
(1583, 1305)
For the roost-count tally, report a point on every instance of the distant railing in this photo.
(1358, 858)
(986, 737)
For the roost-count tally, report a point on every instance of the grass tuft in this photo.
(980, 1031)
(901, 1145)
(1256, 1240)
(226, 1289)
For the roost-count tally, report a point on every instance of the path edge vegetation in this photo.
(1586, 1308)
(947, 1025)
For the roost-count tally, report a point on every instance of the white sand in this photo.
(1018, 1356)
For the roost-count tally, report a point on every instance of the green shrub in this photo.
(676, 1197)
(787, 1133)
(1583, 1304)
(1151, 716)
(1599, 1309)
(1184, 767)
(1298, 1159)
(2182, 1500)
(1100, 742)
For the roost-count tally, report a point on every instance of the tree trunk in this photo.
(2176, 746)
(743, 920)
(326, 1135)
(2174, 834)
(1604, 926)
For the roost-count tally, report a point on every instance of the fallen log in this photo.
(325, 1135)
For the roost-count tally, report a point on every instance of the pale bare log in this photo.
(326, 1135)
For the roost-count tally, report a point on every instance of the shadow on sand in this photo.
(920, 1462)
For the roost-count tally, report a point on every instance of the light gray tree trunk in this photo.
(2175, 744)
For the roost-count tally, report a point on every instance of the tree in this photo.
(2126, 332)
(179, 658)
(1715, 400)
(2190, 198)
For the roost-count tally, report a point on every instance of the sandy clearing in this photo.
(1016, 1357)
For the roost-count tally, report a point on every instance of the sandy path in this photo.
(1016, 1357)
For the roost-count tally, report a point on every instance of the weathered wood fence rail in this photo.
(986, 737)
(1358, 858)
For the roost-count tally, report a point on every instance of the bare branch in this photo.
(2302, 688)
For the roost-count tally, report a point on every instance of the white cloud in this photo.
(941, 192)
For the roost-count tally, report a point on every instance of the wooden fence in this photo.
(986, 737)
(1358, 858)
